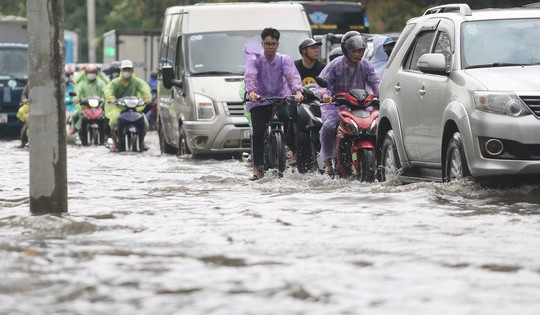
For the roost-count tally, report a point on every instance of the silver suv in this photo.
(461, 95)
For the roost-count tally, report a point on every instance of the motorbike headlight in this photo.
(131, 103)
(504, 103)
(205, 107)
(93, 102)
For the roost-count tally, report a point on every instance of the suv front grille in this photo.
(533, 102)
(235, 108)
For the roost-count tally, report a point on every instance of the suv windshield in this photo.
(222, 53)
(499, 43)
(13, 63)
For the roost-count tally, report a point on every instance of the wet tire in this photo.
(134, 142)
(304, 153)
(367, 166)
(390, 165)
(164, 147)
(121, 142)
(455, 162)
(84, 136)
(344, 159)
(183, 148)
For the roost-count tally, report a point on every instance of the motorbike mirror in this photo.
(308, 93)
(359, 94)
(321, 82)
(168, 77)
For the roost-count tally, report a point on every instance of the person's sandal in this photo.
(254, 177)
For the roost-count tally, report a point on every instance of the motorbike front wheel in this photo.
(134, 142)
(367, 165)
(275, 152)
(305, 154)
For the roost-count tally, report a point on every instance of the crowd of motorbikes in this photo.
(356, 156)
(94, 128)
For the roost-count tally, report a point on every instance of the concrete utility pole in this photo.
(47, 127)
(91, 18)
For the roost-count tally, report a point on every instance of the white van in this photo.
(202, 64)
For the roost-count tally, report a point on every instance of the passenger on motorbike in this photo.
(268, 74)
(81, 75)
(89, 85)
(309, 65)
(343, 74)
(382, 48)
(127, 84)
(23, 115)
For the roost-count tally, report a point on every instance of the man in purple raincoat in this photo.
(268, 74)
(343, 74)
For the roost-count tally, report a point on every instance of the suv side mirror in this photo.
(432, 63)
(168, 78)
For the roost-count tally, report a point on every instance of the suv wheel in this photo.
(455, 162)
(390, 165)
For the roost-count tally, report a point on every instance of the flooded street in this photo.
(157, 234)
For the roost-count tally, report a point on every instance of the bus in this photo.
(336, 17)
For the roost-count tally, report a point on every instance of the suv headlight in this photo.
(205, 107)
(504, 103)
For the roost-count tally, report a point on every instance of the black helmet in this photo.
(352, 40)
(115, 65)
(308, 42)
(336, 52)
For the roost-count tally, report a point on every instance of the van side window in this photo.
(164, 41)
(424, 42)
(443, 46)
(179, 60)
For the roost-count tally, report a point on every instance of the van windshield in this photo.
(222, 53)
(13, 63)
(500, 43)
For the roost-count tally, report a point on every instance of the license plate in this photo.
(246, 134)
(3, 118)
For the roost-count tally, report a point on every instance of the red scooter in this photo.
(356, 135)
(93, 121)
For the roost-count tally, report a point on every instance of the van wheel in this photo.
(164, 147)
(455, 162)
(183, 148)
(390, 165)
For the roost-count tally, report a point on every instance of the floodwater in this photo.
(157, 234)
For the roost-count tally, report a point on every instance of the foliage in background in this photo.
(384, 15)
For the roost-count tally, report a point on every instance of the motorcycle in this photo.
(93, 121)
(130, 130)
(356, 134)
(70, 109)
(23, 115)
(308, 124)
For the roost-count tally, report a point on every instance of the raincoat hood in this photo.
(380, 58)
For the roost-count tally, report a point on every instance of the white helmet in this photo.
(126, 64)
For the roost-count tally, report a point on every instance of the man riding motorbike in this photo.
(89, 85)
(127, 84)
(343, 74)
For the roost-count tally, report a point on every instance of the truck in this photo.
(139, 46)
(13, 70)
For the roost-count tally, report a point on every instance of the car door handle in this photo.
(397, 87)
(422, 91)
